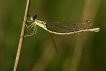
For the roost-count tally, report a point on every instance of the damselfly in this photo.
(61, 28)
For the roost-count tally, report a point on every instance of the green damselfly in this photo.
(60, 28)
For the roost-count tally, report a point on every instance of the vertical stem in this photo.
(21, 37)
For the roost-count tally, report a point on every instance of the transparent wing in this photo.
(65, 27)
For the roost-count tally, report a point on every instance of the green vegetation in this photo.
(78, 52)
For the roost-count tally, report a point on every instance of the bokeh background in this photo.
(78, 52)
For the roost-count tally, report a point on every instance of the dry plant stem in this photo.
(21, 37)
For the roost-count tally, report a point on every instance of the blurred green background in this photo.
(78, 52)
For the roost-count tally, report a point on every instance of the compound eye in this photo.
(34, 16)
(87, 21)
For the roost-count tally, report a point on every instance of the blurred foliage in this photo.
(78, 52)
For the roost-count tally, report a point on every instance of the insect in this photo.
(60, 28)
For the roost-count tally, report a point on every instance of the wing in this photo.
(65, 27)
